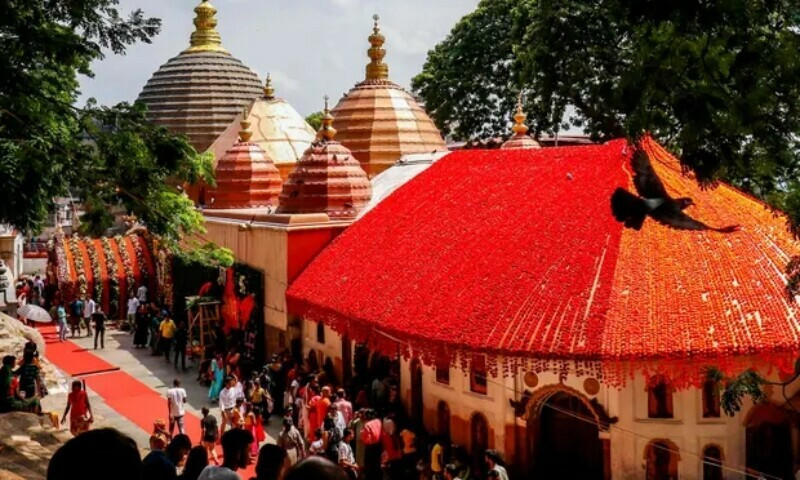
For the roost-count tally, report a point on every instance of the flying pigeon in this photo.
(654, 201)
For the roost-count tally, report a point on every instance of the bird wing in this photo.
(647, 182)
(677, 219)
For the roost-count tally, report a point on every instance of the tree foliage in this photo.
(468, 81)
(315, 120)
(718, 82)
(111, 157)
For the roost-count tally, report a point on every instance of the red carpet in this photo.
(120, 391)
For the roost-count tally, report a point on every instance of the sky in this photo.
(311, 47)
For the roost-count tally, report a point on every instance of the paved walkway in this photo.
(152, 371)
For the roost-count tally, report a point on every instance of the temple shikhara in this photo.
(499, 288)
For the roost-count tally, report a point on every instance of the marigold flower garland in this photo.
(96, 270)
(77, 258)
(112, 270)
(130, 277)
(141, 260)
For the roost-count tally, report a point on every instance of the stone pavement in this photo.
(154, 372)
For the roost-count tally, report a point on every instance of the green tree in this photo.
(468, 81)
(315, 120)
(110, 156)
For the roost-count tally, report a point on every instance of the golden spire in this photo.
(245, 134)
(205, 37)
(519, 127)
(327, 132)
(376, 69)
(269, 92)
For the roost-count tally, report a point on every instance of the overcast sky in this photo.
(311, 47)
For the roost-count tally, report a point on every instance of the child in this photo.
(160, 436)
(81, 417)
(209, 432)
(237, 415)
(317, 447)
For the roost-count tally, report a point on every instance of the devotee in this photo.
(176, 402)
(79, 409)
(227, 403)
(133, 308)
(346, 458)
(141, 294)
(217, 378)
(166, 330)
(272, 463)
(99, 319)
(345, 407)
(97, 455)
(235, 455)
(357, 424)
(196, 462)
(9, 398)
(180, 340)
(142, 323)
(163, 464)
(371, 438)
(291, 441)
(29, 373)
(209, 433)
(317, 468)
(75, 310)
(316, 447)
(451, 472)
(495, 463)
(61, 316)
(88, 309)
(437, 459)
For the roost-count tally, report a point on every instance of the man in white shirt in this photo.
(141, 294)
(88, 311)
(227, 402)
(133, 305)
(176, 400)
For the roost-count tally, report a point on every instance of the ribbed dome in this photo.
(200, 92)
(327, 179)
(246, 175)
(379, 121)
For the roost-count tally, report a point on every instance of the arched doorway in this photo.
(563, 437)
(712, 462)
(661, 457)
(479, 441)
(443, 419)
(416, 391)
(313, 361)
(768, 441)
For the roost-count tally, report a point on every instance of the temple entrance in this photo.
(769, 442)
(563, 439)
(416, 391)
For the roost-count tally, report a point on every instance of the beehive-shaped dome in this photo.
(199, 92)
(277, 128)
(327, 179)
(246, 175)
(379, 121)
(520, 139)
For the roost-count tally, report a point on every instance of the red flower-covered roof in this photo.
(516, 254)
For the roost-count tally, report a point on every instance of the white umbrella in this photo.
(34, 313)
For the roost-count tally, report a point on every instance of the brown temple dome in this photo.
(327, 179)
(520, 139)
(379, 121)
(199, 92)
(246, 176)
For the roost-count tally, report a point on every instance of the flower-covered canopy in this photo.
(515, 254)
(107, 269)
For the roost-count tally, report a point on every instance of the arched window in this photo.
(477, 375)
(712, 462)
(479, 440)
(443, 372)
(443, 419)
(313, 361)
(321, 333)
(659, 399)
(416, 390)
(662, 459)
(711, 401)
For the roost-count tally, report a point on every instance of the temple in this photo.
(518, 313)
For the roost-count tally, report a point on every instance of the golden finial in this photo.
(269, 92)
(327, 131)
(519, 127)
(376, 69)
(205, 37)
(245, 134)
